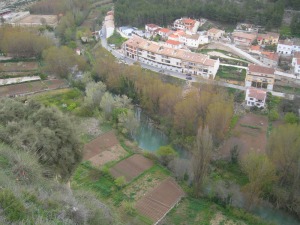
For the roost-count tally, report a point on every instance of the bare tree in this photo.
(201, 158)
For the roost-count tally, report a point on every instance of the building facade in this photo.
(187, 24)
(256, 97)
(269, 58)
(215, 34)
(260, 77)
(177, 60)
(243, 39)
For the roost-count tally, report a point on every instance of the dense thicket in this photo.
(21, 42)
(26, 197)
(180, 112)
(163, 12)
(45, 132)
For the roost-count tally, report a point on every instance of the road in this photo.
(129, 61)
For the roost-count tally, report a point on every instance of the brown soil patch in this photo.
(247, 138)
(102, 143)
(18, 66)
(37, 19)
(140, 187)
(131, 167)
(114, 153)
(31, 87)
(158, 202)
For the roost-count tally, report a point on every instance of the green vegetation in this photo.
(231, 73)
(203, 211)
(65, 99)
(267, 13)
(250, 126)
(287, 89)
(116, 39)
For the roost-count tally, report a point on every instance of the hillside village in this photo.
(115, 120)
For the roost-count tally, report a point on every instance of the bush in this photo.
(120, 181)
(291, 118)
(273, 115)
(129, 207)
(12, 207)
(166, 154)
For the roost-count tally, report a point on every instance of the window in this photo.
(251, 99)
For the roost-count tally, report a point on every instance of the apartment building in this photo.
(192, 41)
(260, 77)
(269, 58)
(285, 47)
(187, 24)
(178, 60)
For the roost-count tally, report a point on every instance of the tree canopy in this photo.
(43, 131)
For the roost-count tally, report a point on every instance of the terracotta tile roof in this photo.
(171, 42)
(214, 31)
(255, 47)
(257, 94)
(298, 61)
(165, 30)
(173, 36)
(297, 55)
(271, 55)
(260, 69)
(268, 36)
(151, 25)
(244, 35)
(184, 55)
(188, 21)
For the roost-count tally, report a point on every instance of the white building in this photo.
(178, 60)
(151, 28)
(127, 30)
(187, 24)
(215, 34)
(296, 63)
(285, 47)
(173, 44)
(256, 97)
(191, 41)
(165, 32)
(109, 24)
(269, 58)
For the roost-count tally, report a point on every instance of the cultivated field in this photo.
(131, 167)
(31, 87)
(103, 149)
(249, 133)
(18, 66)
(157, 202)
(38, 20)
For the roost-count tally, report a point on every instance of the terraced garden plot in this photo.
(103, 149)
(131, 167)
(18, 66)
(160, 200)
(31, 87)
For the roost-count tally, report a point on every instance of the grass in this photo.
(285, 31)
(287, 89)
(230, 171)
(231, 73)
(250, 126)
(116, 39)
(65, 99)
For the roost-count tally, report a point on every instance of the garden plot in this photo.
(103, 149)
(18, 66)
(160, 200)
(131, 167)
(250, 133)
(31, 87)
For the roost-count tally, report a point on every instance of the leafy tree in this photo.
(44, 131)
(201, 158)
(283, 150)
(94, 93)
(107, 104)
(261, 174)
(166, 154)
(62, 60)
(129, 122)
(273, 115)
(291, 118)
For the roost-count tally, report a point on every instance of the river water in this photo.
(149, 138)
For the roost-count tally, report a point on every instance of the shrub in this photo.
(129, 207)
(12, 207)
(291, 118)
(273, 115)
(120, 181)
(166, 154)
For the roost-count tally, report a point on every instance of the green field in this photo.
(231, 73)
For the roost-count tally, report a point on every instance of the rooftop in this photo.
(151, 25)
(255, 47)
(214, 30)
(260, 69)
(257, 94)
(165, 30)
(171, 42)
(268, 35)
(286, 42)
(154, 47)
(297, 55)
(271, 55)
(249, 36)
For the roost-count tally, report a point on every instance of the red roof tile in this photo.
(171, 42)
(260, 69)
(257, 94)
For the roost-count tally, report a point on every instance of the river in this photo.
(150, 138)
